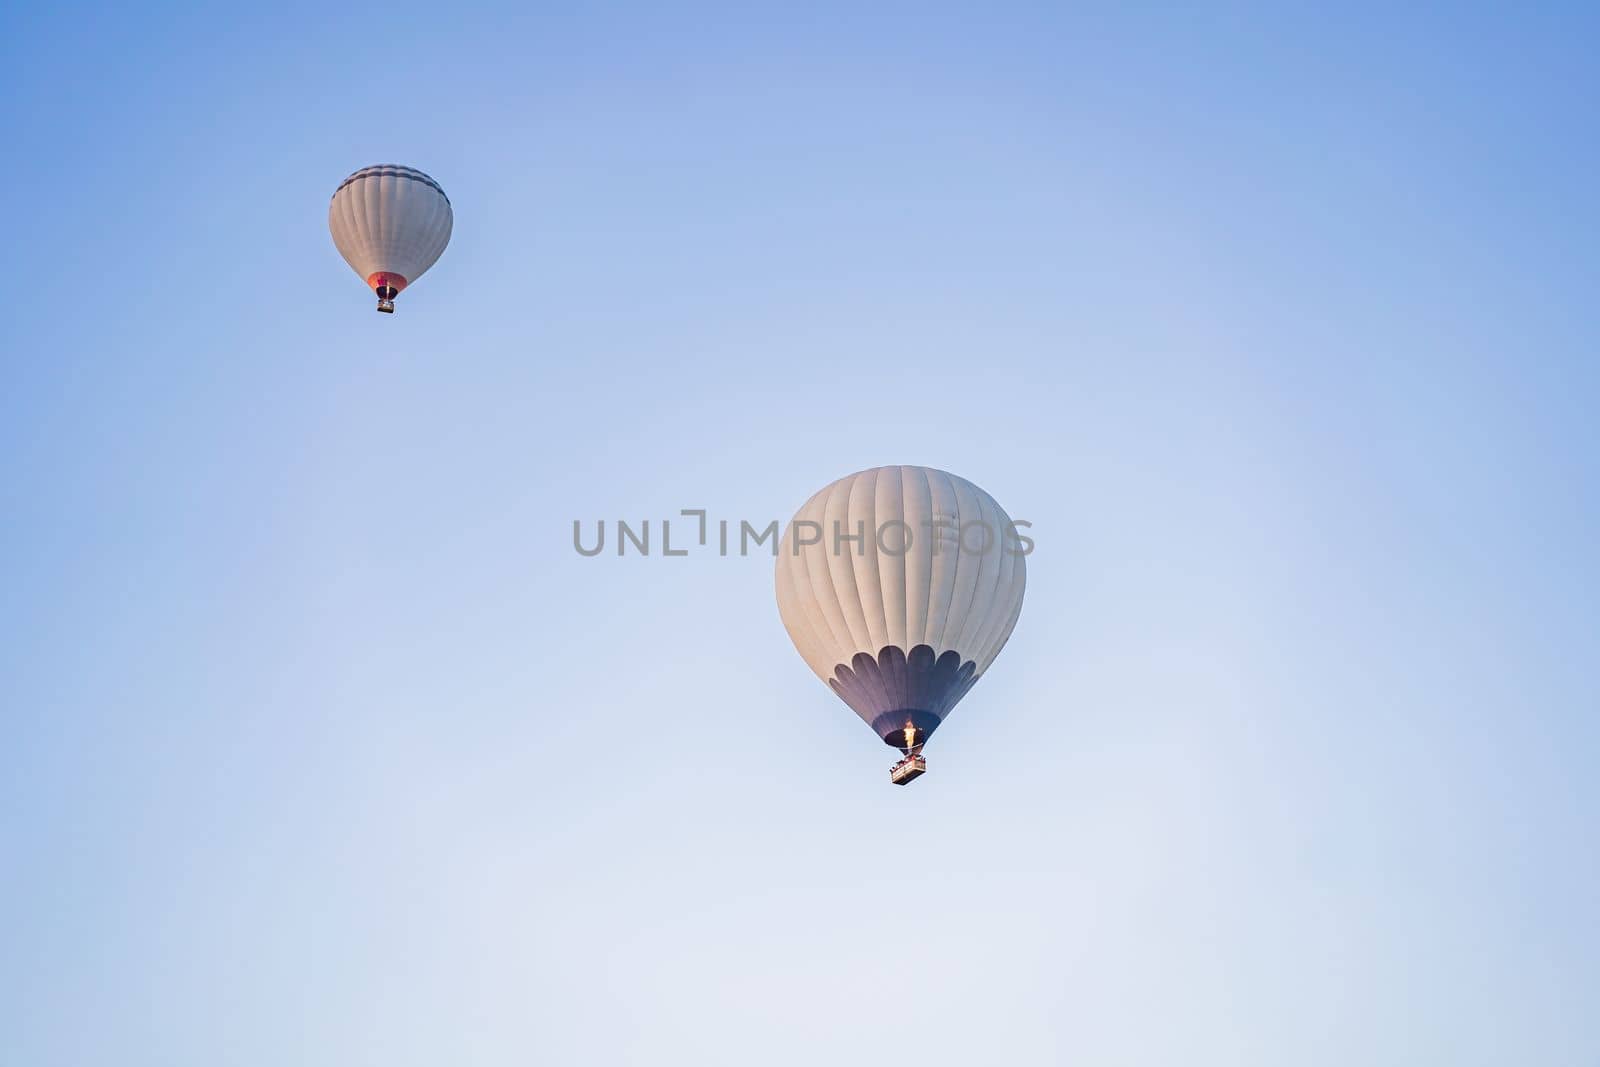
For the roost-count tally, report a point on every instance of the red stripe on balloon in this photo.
(396, 282)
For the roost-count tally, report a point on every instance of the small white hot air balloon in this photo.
(390, 223)
(899, 586)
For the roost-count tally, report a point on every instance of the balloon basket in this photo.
(908, 770)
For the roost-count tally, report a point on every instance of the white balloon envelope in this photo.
(390, 223)
(899, 586)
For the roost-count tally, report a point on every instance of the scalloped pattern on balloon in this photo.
(896, 690)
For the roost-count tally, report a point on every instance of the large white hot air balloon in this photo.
(899, 586)
(390, 223)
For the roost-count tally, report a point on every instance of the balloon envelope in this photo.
(390, 223)
(899, 586)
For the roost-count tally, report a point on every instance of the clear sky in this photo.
(321, 745)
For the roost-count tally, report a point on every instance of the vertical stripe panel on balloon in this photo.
(986, 590)
(863, 557)
(941, 585)
(915, 511)
(426, 214)
(842, 573)
(1005, 593)
(823, 594)
(798, 618)
(355, 225)
(1011, 617)
(339, 222)
(387, 235)
(967, 565)
(361, 243)
(816, 649)
(1013, 606)
(1002, 634)
(427, 234)
(890, 509)
(382, 197)
(409, 217)
(369, 221)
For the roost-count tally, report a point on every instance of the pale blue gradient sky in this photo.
(322, 746)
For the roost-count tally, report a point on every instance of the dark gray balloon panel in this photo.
(897, 690)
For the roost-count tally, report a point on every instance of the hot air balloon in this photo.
(899, 586)
(390, 223)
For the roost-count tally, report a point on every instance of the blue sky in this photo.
(322, 745)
